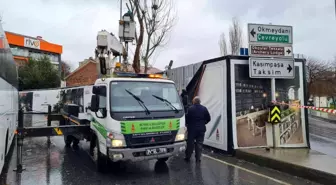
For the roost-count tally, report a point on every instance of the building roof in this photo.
(84, 63)
(33, 42)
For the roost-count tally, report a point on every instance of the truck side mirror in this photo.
(99, 90)
(94, 107)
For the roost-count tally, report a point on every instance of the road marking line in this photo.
(247, 170)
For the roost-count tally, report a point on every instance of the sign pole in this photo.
(273, 100)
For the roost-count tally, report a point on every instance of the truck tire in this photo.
(67, 140)
(99, 158)
(163, 159)
(75, 142)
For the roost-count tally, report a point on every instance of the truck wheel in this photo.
(75, 142)
(99, 158)
(67, 140)
(163, 159)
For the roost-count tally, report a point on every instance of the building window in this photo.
(52, 57)
(23, 52)
(16, 51)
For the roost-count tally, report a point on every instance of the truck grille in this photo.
(150, 141)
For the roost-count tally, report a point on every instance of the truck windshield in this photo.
(154, 96)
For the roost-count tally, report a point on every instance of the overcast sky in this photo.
(74, 24)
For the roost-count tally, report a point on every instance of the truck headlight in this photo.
(118, 143)
(115, 140)
(181, 134)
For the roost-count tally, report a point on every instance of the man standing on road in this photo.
(196, 119)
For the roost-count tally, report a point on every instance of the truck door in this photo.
(102, 113)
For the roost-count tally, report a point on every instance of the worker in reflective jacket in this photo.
(196, 119)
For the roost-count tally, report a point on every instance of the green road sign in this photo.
(268, 33)
(272, 38)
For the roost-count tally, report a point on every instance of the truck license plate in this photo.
(156, 151)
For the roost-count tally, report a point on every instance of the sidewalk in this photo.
(305, 163)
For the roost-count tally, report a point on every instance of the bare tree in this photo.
(135, 6)
(65, 69)
(222, 44)
(158, 18)
(235, 36)
(332, 82)
(320, 77)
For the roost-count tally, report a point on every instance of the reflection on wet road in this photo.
(322, 137)
(53, 164)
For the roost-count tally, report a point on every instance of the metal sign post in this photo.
(273, 100)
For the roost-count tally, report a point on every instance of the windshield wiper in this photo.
(167, 103)
(141, 103)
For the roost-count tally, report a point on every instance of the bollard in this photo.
(19, 144)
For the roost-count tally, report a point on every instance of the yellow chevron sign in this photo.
(275, 114)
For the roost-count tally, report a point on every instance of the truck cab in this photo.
(136, 117)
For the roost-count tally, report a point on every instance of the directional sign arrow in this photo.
(275, 108)
(276, 118)
(289, 68)
(253, 32)
(288, 51)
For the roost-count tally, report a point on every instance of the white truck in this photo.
(133, 117)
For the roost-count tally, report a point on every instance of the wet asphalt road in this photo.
(322, 137)
(54, 164)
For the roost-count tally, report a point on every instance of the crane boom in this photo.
(107, 47)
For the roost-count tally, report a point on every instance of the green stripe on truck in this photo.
(101, 129)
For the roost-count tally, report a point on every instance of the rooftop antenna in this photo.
(168, 67)
(170, 64)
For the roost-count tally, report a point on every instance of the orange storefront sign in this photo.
(20, 40)
(2, 43)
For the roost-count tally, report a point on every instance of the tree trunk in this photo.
(147, 53)
(146, 66)
(136, 60)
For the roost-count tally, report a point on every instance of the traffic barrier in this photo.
(331, 111)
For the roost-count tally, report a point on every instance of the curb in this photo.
(289, 168)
